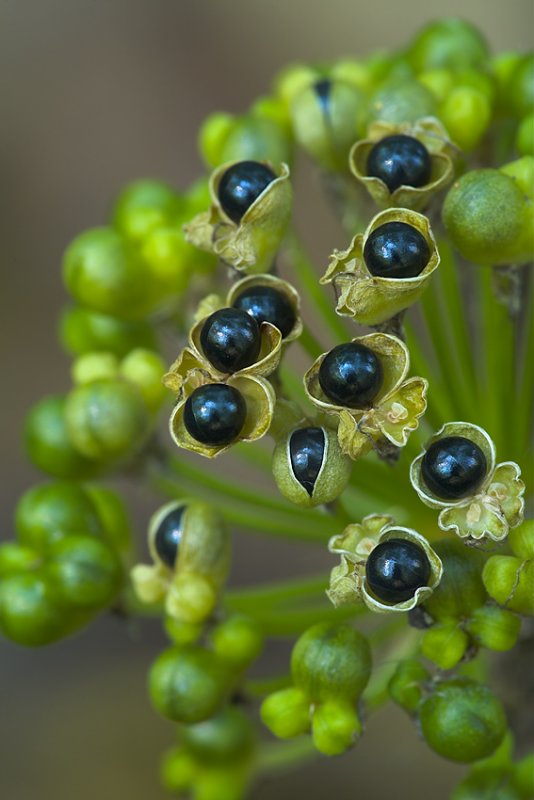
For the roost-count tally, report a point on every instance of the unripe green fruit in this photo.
(83, 573)
(520, 86)
(181, 632)
(143, 206)
(493, 783)
(28, 613)
(444, 644)
(93, 367)
(401, 101)
(466, 114)
(170, 259)
(83, 331)
(406, 685)
(188, 684)
(460, 590)
(335, 727)
(521, 539)
(238, 640)
(48, 442)
(113, 518)
(286, 713)
(462, 720)
(331, 661)
(525, 136)
(15, 558)
(450, 43)
(509, 581)
(178, 770)
(223, 739)
(494, 628)
(145, 370)
(107, 419)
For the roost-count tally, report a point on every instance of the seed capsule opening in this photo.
(396, 250)
(214, 414)
(453, 467)
(230, 339)
(266, 304)
(400, 160)
(351, 375)
(395, 569)
(306, 450)
(241, 185)
(168, 536)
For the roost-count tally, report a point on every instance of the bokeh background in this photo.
(95, 93)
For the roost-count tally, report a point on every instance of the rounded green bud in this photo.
(145, 370)
(520, 86)
(335, 726)
(331, 661)
(221, 783)
(521, 539)
(113, 518)
(16, 558)
(522, 171)
(223, 739)
(523, 776)
(182, 632)
(178, 770)
(466, 114)
(401, 101)
(489, 219)
(449, 43)
(143, 206)
(524, 140)
(406, 685)
(286, 713)
(188, 684)
(103, 272)
(83, 331)
(502, 66)
(494, 628)
(83, 573)
(48, 512)
(309, 467)
(444, 644)
(48, 442)
(106, 420)
(28, 613)
(274, 109)
(439, 81)
(238, 640)
(460, 590)
(212, 136)
(462, 720)
(293, 80)
(487, 783)
(509, 581)
(93, 367)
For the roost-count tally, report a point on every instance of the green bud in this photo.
(145, 370)
(401, 101)
(494, 628)
(238, 640)
(188, 684)
(107, 419)
(524, 140)
(466, 113)
(462, 720)
(83, 331)
(509, 581)
(521, 539)
(181, 632)
(143, 206)
(15, 558)
(83, 573)
(250, 137)
(178, 770)
(439, 81)
(520, 87)
(523, 776)
(522, 171)
(487, 784)
(221, 783)
(48, 442)
(293, 80)
(460, 590)
(406, 685)
(223, 739)
(449, 43)
(335, 727)
(489, 219)
(28, 613)
(113, 517)
(93, 367)
(286, 713)
(331, 661)
(332, 476)
(212, 136)
(444, 644)
(274, 109)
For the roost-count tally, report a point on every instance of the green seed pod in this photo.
(224, 739)
(143, 206)
(462, 720)
(212, 135)
(460, 590)
(188, 684)
(466, 114)
(524, 140)
(113, 517)
(82, 573)
(521, 540)
(145, 370)
(331, 662)
(93, 367)
(83, 331)
(238, 640)
(15, 558)
(509, 581)
(335, 727)
(449, 43)
(494, 628)
(444, 644)
(406, 685)
(286, 713)
(520, 86)
(489, 219)
(180, 632)
(106, 420)
(250, 137)
(48, 442)
(309, 467)
(523, 776)
(399, 101)
(178, 770)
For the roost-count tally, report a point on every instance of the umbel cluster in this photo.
(383, 453)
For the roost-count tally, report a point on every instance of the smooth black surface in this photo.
(240, 185)
(266, 304)
(214, 414)
(395, 569)
(351, 375)
(396, 250)
(399, 160)
(306, 449)
(168, 536)
(453, 467)
(230, 339)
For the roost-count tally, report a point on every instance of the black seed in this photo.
(240, 185)
(396, 250)
(323, 89)
(266, 304)
(230, 339)
(306, 449)
(395, 569)
(351, 375)
(399, 161)
(453, 467)
(168, 536)
(215, 414)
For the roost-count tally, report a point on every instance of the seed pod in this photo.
(494, 628)
(84, 331)
(249, 137)
(143, 206)
(406, 685)
(144, 369)
(226, 738)
(509, 580)
(461, 590)
(335, 727)
(286, 713)
(444, 644)
(238, 640)
(449, 43)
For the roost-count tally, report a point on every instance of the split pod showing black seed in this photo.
(309, 467)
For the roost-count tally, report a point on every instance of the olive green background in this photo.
(95, 93)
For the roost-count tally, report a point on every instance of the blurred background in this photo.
(96, 93)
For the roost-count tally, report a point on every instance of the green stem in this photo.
(280, 756)
(377, 693)
(289, 623)
(440, 408)
(273, 594)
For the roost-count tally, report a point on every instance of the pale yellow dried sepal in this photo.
(345, 584)
(351, 440)
(508, 491)
(398, 415)
(275, 283)
(186, 365)
(358, 539)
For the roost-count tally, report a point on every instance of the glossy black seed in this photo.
(453, 467)
(230, 339)
(399, 161)
(323, 89)
(168, 536)
(351, 375)
(240, 185)
(396, 250)
(215, 414)
(306, 449)
(266, 304)
(395, 569)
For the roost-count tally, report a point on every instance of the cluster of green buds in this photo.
(427, 156)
